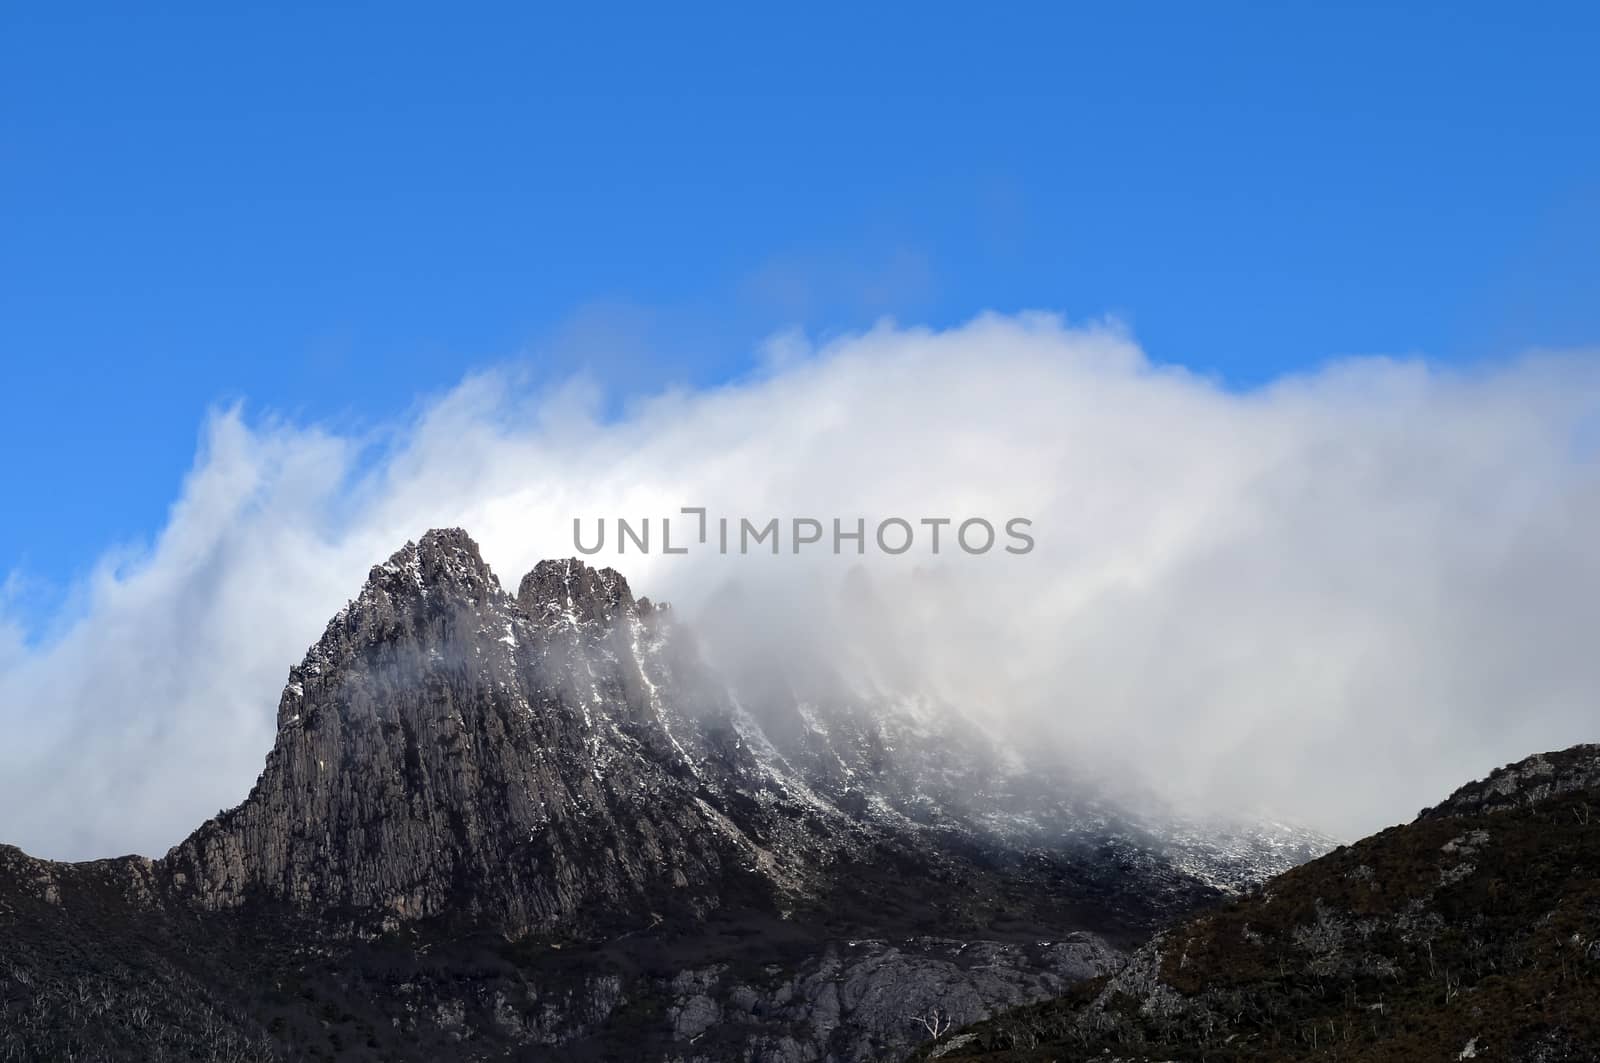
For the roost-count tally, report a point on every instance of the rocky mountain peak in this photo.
(569, 591)
(446, 749)
(450, 557)
(445, 560)
(416, 595)
(456, 768)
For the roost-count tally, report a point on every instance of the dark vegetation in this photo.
(1471, 933)
(99, 962)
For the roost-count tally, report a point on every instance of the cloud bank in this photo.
(1331, 598)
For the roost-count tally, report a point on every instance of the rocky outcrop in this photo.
(853, 1000)
(446, 749)
(1524, 783)
(569, 591)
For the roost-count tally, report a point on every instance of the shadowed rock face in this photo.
(568, 590)
(448, 749)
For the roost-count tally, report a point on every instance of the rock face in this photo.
(1525, 783)
(446, 748)
(561, 760)
(494, 824)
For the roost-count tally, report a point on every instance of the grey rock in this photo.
(1524, 783)
(559, 772)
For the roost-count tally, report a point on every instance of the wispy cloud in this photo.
(1332, 597)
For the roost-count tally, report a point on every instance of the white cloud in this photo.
(1334, 597)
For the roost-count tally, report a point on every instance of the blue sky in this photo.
(329, 212)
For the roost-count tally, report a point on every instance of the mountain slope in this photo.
(1471, 933)
(497, 825)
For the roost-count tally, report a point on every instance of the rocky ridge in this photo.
(494, 824)
(446, 748)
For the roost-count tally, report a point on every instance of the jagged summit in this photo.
(569, 590)
(445, 749)
(445, 560)
(447, 563)
(428, 581)
(415, 593)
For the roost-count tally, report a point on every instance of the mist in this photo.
(1330, 598)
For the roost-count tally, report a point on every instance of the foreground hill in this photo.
(537, 825)
(1471, 933)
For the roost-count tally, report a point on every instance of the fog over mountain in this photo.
(1328, 599)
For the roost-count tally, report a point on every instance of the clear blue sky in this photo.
(328, 210)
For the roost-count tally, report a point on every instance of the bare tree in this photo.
(937, 1022)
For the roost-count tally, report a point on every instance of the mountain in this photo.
(1471, 933)
(539, 825)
